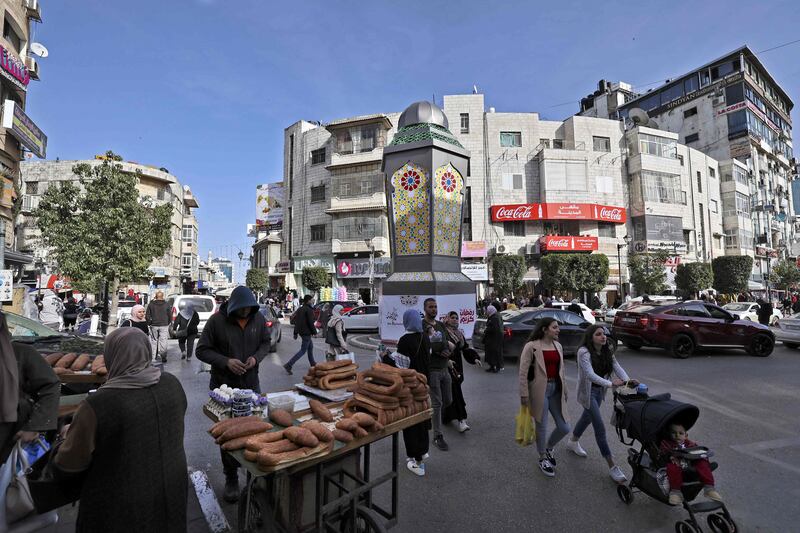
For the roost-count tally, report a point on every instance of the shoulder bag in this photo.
(19, 502)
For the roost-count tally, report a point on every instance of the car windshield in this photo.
(201, 305)
(20, 326)
(126, 303)
(737, 307)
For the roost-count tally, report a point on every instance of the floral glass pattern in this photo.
(448, 201)
(411, 210)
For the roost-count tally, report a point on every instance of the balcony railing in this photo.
(560, 144)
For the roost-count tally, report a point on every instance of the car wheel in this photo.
(791, 345)
(761, 345)
(682, 346)
(632, 345)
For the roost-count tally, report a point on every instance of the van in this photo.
(204, 305)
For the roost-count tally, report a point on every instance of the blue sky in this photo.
(206, 87)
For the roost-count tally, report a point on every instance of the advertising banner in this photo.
(559, 243)
(658, 228)
(359, 268)
(558, 211)
(302, 262)
(269, 206)
(16, 122)
(392, 309)
(473, 249)
(475, 271)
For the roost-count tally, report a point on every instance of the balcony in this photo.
(357, 191)
(33, 10)
(349, 158)
(350, 245)
(357, 203)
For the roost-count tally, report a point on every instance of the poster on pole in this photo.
(269, 206)
(6, 285)
(392, 307)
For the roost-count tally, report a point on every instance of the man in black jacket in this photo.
(234, 341)
(304, 327)
(158, 318)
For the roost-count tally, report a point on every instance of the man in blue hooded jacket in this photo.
(234, 342)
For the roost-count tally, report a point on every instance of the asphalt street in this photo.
(486, 482)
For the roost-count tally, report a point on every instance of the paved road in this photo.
(749, 416)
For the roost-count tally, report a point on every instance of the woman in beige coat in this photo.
(542, 388)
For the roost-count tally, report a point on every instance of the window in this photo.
(740, 175)
(10, 35)
(717, 313)
(714, 206)
(32, 187)
(601, 144)
(317, 194)
(694, 310)
(691, 138)
(692, 111)
(699, 181)
(512, 182)
(565, 175)
(606, 229)
(366, 187)
(737, 122)
(659, 146)
(359, 139)
(712, 173)
(163, 193)
(735, 204)
(690, 85)
(358, 228)
(318, 233)
(705, 79)
(734, 94)
(544, 143)
(187, 234)
(514, 229)
(662, 187)
(558, 144)
(511, 139)
(186, 260)
(464, 122)
(318, 156)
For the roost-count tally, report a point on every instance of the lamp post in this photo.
(620, 246)
(371, 247)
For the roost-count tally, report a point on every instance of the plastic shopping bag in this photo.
(526, 432)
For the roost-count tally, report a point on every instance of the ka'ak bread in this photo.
(320, 411)
(259, 440)
(243, 429)
(53, 358)
(219, 428)
(385, 383)
(353, 406)
(80, 362)
(377, 403)
(66, 361)
(97, 363)
(404, 372)
(340, 370)
(337, 381)
(330, 365)
(301, 436)
(382, 399)
(266, 459)
(321, 432)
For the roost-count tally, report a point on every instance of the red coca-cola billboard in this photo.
(558, 211)
(566, 243)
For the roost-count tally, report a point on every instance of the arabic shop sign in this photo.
(16, 122)
(13, 69)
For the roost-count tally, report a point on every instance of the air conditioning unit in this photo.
(501, 249)
(531, 248)
(717, 102)
(33, 67)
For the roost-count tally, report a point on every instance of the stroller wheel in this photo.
(719, 523)
(685, 526)
(625, 494)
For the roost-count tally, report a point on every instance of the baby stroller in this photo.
(646, 419)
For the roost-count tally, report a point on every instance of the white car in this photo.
(364, 318)
(124, 310)
(203, 304)
(749, 311)
(585, 311)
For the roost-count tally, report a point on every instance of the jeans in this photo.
(159, 335)
(552, 403)
(186, 345)
(441, 391)
(306, 346)
(593, 416)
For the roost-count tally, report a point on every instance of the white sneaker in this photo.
(462, 426)
(415, 467)
(617, 474)
(576, 448)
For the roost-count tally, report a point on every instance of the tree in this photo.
(257, 279)
(314, 278)
(507, 273)
(647, 272)
(101, 232)
(785, 274)
(691, 278)
(577, 272)
(731, 273)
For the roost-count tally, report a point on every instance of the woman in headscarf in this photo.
(493, 340)
(29, 392)
(127, 442)
(335, 334)
(457, 410)
(137, 320)
(417, 348)
(185, 327)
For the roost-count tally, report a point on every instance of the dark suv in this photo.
(683, 327)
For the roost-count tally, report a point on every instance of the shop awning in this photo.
(18, 258)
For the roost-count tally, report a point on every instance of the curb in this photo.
(364, 342)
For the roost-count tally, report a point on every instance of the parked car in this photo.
(364, 318)
(204, 305)
(611, 312)
(346, 306)
(124, 310)
(518, 325)
(587, 313)
(273, 325)
(48, 340)
(749, 311)
(683, 327)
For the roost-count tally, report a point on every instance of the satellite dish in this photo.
(639, 116)
(39, 50)
(652, 124)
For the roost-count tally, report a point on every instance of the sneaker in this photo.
(425, 456)
(439, 442)
(415, 467)
(617, 474)
(712, 494)
(576, 448)
(546, 467)
(288, 369)
(231, 494)
(548, 453)
(675, 497)
(463, 426)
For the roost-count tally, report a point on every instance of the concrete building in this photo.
(190, 260)
(155, 184)
(267, 256)
(18, 134)
(224, 272)
(733, 110)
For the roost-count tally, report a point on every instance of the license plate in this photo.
(629, 320)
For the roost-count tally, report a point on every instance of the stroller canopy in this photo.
(646, 420)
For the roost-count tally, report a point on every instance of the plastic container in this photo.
(283, 402)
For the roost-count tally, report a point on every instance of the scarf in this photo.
(188, 311)
(490, 310)
(336, 314)
(454, 333)
(9, 375)
(127, 354)
(134, 310)
(412, 321)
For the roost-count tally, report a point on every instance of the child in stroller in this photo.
(647, 419)
(681, 454)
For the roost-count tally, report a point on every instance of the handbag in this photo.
(48, 491)
(525, 432)
(19, 502)
(331, 338)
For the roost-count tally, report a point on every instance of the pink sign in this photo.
(566, 243)
(473, 249)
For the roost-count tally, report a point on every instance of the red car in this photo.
(682, 327)
(346, 306)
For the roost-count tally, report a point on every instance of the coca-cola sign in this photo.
(611, 214)
(561, 243)
(509, 213)
(558, 211)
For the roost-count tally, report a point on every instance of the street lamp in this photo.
(620, 246)
(371, 247)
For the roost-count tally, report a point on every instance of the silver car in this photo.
(788, 331)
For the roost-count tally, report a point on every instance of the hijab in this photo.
(412, 321)
(491, 310)
(127, 355)
(188, 311)
(336, 314)
(9, 375)
(134, 310)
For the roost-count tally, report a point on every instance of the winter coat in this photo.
(190, 325)
(493, 340)
(304, 321)
(532, 355)
(158, 313)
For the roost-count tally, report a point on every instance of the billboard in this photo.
(392, 309)
(269, 206)
(558, 211)
(24, 129)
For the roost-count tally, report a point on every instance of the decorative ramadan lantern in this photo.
(425, 168)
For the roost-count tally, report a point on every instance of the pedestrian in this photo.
(596, 364)
(158, 318)
(440, 384)
(457, 410)
(416, 346)
(336, 334)
(574, 307)
(542, 388)
(493, 340)
(305, 329)
(185, 328)
(360, 302)
(29, 395)
(764, 311)
(596, 303)
(324, 317)
(133, 427)
(536, 302)
(70, 313)
(234, 342)
(137, 320)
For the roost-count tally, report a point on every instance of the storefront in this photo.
(474, 265)
(326, 262)
(354, 275)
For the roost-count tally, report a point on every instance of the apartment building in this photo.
(155, 184)
(190, 260)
